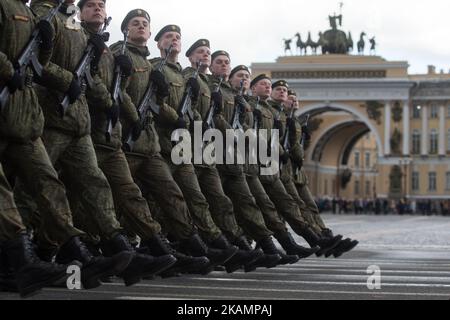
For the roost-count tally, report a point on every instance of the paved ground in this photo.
(412, 252)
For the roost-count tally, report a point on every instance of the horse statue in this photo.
(373, 45)
(313, 45)
(301, 46)
(361, 43)
(323, 43)
(350, 44)
(287, 46)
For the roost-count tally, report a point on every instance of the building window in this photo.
(432, 181)
(357, 155)
(448, 140)
(434, 113)
(416, 137)
(356, 188)
(447, 181)
(367, 188)
(434, 141)
(367, 160)
(415, 181)
(416, 112)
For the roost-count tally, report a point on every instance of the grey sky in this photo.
(252, 31)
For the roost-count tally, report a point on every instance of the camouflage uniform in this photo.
(287, 172)
(21, 125)
(208, 176)
(147, 166)
(184, 174)
(283, 201)
(131, 207)
(233, 177)
(10, 221)
(68, 139)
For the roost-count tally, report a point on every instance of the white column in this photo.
(424, 143)
(442, 131)
(387, 128)
(406, 128)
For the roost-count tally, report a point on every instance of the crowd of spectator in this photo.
(384, 206)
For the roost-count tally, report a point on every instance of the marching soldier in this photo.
(23, 153)
(307, 204)
(267, 207)
(270, 119)
(147, 165)
(220, 205)
(184, 174)
(233, 177)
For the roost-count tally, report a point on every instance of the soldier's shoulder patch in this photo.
(18, 17)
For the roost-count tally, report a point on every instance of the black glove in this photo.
(74, 91)
(257, 114)
(240, 101)
(277, 124)
(158, 79)
(125, 64)
(16, 82)
(285, 158)
(47, 33)
(195, 88)
(114, 113)
(136, 131)
(205, 127)
(180, 124)
(299, 164)
(217, 98)
(290, 123)
(98, 42)
(306, 133)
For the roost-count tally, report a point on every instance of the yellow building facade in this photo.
(378, 131)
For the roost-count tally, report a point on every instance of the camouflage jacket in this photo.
(100, 101)
(136, 87)
(22, 118)
(70, 43)
(177, 85)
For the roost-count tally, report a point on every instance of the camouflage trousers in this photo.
(131, 207)
(248, 214)
(284, 203)
(75, 158)
(271, 217)
(10, 221)
(186, 178)
(311, 211)
(38, 182)
(220, 205)
(153, 176)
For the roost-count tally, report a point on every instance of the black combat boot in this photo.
(241, 258)
(245, 256)
(93, 268)
(160, 246)
(343, 247)
(30, 273)
(269, 247)
(141, 265)
(196, 247)
(325, 244)
(291, 247)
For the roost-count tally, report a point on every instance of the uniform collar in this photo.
(142, 51)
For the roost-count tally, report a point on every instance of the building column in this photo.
(387, 128)
(406, 129)
(424, 144)
(442, 151)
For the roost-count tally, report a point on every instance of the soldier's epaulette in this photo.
(154, 60)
